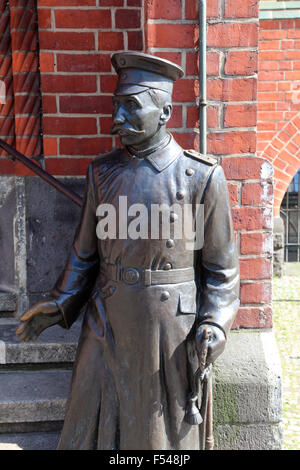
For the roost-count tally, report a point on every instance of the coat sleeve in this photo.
(217, 264)
(77, 279)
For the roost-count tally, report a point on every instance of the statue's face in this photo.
(136, 118)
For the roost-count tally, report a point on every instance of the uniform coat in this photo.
(131, 375)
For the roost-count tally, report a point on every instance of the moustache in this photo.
(116, 129)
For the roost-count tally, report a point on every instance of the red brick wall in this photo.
(232, 40)
(76, 41)
(279, 101)
(172, 33)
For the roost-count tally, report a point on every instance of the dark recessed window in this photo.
(290, 213)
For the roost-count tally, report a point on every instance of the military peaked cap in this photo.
(137, 72)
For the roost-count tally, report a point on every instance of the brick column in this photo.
(235, 35)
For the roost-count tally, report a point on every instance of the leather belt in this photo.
(148, 277)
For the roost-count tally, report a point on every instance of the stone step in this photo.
(32, 397)
(55, 345)
(29, 441)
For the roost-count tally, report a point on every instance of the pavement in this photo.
(286, 317)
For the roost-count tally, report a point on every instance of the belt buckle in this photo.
(147, 277)
(130, 275)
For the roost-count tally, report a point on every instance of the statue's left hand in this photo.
(37, 318)
(215, 346)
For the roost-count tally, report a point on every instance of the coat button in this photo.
(167, 266)
(180, 195)
(173, 216)
(189, 172)
(111, 290)
(164, 295)
(170, 243)
(130, 275)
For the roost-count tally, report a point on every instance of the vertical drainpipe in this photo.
(202, 76)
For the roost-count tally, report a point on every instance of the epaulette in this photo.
(199, 156)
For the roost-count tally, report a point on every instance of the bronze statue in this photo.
(150, 301)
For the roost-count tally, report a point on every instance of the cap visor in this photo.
(129, 89)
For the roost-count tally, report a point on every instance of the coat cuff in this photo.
(63, 323)
(213, 324)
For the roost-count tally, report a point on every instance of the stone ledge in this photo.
(248, 437)
(33, 396)
(29, 441)
(8, 301)
(247, 392)
(54, 345)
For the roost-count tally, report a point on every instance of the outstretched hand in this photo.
(216, 344)
(37, 318)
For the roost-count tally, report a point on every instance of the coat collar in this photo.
(161, 158)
